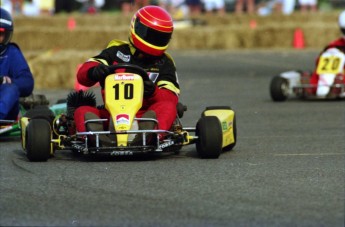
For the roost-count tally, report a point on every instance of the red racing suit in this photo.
(339, 44)
(161, 71)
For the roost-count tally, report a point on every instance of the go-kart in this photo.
(215, 131)
(11, 128)
(296, 83)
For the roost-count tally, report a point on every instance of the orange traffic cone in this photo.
(253, 24)
(71, 23)
(298, 39)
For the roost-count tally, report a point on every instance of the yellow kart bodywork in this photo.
(123, 99)
(226, 118)
(24, 121)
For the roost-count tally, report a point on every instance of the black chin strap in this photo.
(2, 49)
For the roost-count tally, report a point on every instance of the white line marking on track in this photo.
(312, 154)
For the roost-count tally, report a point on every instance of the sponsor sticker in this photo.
(122, 119)
(123, 57)
(121, 153)
(153, 76)
(167, 144)
(224, 126)
(124, 77)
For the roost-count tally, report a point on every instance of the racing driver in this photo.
(16, 79)
(150, 31)
(336, 49)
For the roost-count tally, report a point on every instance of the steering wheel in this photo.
(126, 66)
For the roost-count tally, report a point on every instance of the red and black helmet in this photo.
(151, 29)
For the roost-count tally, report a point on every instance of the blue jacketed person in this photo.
(16, 79)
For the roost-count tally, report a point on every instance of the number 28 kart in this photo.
(330, 82)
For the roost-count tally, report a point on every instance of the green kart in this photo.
(29, 106)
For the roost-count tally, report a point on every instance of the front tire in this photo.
(279, 89)
(38, 140)
(210, 138)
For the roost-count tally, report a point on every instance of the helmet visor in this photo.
(152, 36)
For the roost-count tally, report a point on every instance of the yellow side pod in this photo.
(24, 121)
(226, 118)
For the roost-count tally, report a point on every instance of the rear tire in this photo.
(279, 89)
(210, 138)
(38, 140)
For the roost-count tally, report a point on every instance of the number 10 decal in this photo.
(128, 91)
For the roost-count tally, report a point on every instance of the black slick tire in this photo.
(209, 142)
(279, 89)
(38, 140)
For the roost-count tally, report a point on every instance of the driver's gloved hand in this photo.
(149, 88)
(99, 73)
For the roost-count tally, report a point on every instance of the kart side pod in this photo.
(216, 131)
(24, 121)
(227, 120)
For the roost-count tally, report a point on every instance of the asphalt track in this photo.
(287, 168)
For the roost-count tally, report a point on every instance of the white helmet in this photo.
(341, 22)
